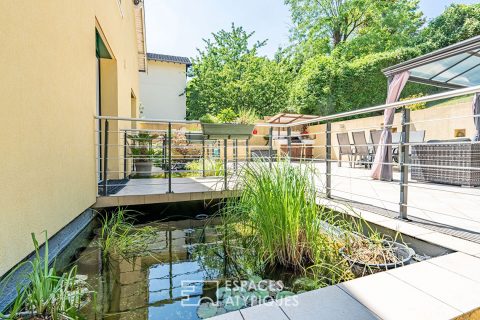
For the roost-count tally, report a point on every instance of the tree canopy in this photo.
(228, 73)
(458, 22)
(333, 63)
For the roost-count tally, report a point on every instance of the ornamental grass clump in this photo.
(46, 293)
(119, 237)
(277, 212)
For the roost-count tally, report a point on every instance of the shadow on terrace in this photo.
(418, 160)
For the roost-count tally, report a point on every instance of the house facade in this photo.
(163, 87)
(62, 64)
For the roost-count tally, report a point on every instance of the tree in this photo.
(228, 73)
(458, 22)
(326, 85)
(320, 26)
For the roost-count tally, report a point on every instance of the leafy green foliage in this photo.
(458, 22)
(49, 295)
(352, 27)
(333, 64)
(213, 167)
(247, 116)
(244, 116)
(142, 149)
(327, 85)
(120, 238)
(227, 115)
(277, 211)
(228, 73)
(208, 118)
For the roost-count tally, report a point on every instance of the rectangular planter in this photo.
(196, 138)
(227, 130)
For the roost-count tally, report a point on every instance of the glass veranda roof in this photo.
(454, 67)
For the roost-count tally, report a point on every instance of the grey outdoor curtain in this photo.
(476, 116)
(382, 167)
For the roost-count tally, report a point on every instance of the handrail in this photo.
(144, 120)
(398, 104)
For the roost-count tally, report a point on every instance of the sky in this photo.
(177, 27)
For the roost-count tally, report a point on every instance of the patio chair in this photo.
(361, 148)
(375, 138)
(345, 148)
(415, 137)
(396, 136)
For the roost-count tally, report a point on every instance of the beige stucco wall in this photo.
(48, 72)
(447, 118)
(162, 91)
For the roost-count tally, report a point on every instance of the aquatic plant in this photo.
(48, 295)
(277, 216)
(119, 237)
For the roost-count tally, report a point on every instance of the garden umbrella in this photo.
(382, 168)
(476, 116)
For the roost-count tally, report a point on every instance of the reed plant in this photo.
(47, 295)
(277, 216)
(121, 238)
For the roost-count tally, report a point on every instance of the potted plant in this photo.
(370, 255)
(229, 125)
(142, 152)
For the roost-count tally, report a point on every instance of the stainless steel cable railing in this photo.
(182, 157)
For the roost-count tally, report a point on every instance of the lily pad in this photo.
(223, 292)
(305, 284)
(234, 303)
(207, 310)
(284, 294)
(255, 278)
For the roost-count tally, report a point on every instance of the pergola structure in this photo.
(453, 67)
(287, 118)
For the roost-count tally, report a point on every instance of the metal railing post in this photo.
(169, 157)
(203, 156)
(404, 160)
(289, 139)
(105, 159)
(225, 163)
(328, 160)
(270, 146)
(246, 151)
(235, 155)
(125, 155)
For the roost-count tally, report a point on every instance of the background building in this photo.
(162, 88)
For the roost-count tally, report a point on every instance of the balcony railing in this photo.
(427, 175)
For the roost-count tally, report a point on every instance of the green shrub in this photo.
(227, 115)
(416, 106)
(327, 85)
(208, 118)
(247, 116)
(213, 167)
